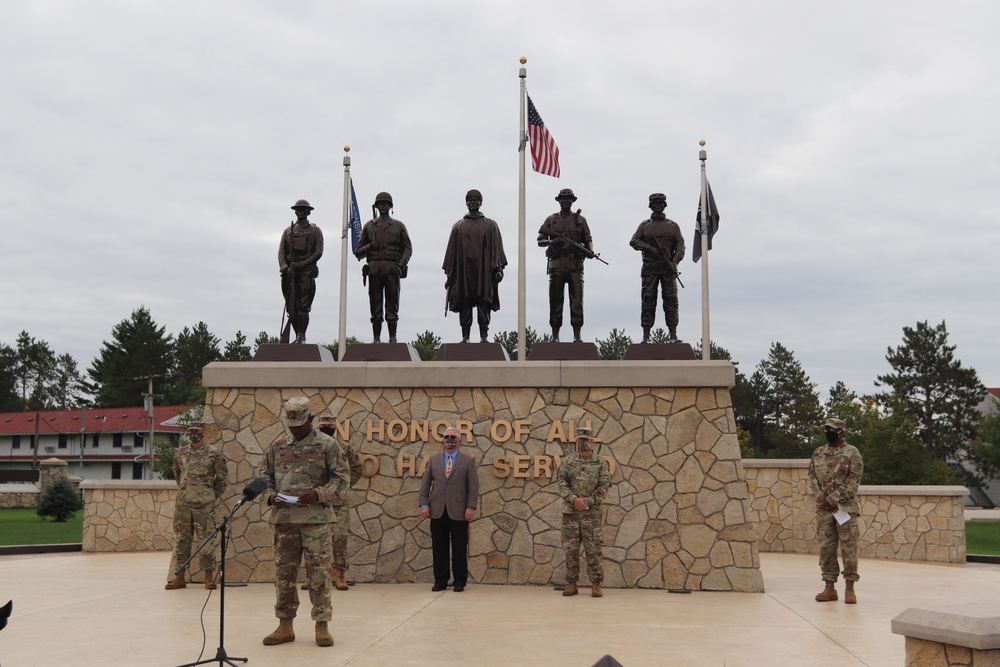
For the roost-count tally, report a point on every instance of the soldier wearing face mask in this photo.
(834, 475)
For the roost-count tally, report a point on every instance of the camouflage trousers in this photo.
(194, 524)
(585, 529)
(292, 542)
(831, 534)
(339, 531)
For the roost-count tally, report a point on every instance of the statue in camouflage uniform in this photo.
(834, 476)
(584, 481)
(200, 472)
(661, 243)
(308, 472)
(341, 527)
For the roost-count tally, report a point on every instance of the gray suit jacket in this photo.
(453, 493)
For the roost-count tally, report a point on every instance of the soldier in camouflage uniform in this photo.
(200, 472)
(834, 475)
(308, 473)
(341, 526)
(584, 480)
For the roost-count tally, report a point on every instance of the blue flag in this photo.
(355, 219)
(713, 224)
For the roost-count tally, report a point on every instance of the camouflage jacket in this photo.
(584, 478)
(353, 462)
(835, 474)
(201, 475)
(294, 467)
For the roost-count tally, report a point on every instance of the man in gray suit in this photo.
(449, 493)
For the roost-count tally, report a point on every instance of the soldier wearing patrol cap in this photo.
(661, 243)
(307, 471)
(300, 249)
(565, 262)
(473, 263)
(200, 471)
(584, 481)
(834, 475)
(385, 243)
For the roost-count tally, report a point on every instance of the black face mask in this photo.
(326, 429)
(832, 436)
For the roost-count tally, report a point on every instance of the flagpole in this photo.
(521, 276)
(342, 330)
(706, 222)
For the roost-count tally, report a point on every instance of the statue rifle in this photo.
(286, 326)
(662, 254)
(587, 252)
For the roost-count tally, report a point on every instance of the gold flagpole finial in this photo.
(523, 60)
(347, 149)
(701, 142)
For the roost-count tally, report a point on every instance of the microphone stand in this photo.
(220, 654)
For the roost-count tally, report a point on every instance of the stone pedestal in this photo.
(292, 352)
(659, 352)
(381, 352)
(678, 514)
(472, 352)
(960, 635)
(563, 352)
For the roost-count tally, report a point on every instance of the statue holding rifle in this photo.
(566, 238)
(660, 241)
(300, 248)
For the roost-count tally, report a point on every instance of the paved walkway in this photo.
(106, 610)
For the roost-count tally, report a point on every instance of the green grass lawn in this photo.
(982, 538)
(23, 526)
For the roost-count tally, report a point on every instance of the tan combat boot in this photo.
(595, 590)
(849, 596)
(829, 594)
(338, 579)
(177, 582)
(570, 589)
(323, 636)
(210, 581)
(283, 634)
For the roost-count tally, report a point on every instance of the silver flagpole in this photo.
(706, 340)
(521, 276)
(345, 235)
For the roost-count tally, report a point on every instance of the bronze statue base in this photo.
(381, 352)
(548, 351)
(472, 352)
(292, 352)
(659, 352)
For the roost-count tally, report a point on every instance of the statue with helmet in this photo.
(661, 243)
(300, 249)
(385, 245)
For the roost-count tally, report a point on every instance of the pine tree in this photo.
(193, 350)
(614, 346)
(933, 387)
(59, 500)
(426, 345)
(790, 401)
(509, 341)
(237, 349)
(138, 349)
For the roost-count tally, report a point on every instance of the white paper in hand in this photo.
(841, 516)
(292, 500)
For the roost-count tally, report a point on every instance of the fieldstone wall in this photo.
(897, 522)
(18, 495)
(677, 515)
(128, 515)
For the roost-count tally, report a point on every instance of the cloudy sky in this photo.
(149, 154)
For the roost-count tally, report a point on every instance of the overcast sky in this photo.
(149, 154)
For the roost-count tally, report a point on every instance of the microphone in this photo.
(254, 488)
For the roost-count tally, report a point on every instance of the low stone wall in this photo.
(897, 522)
(128, 515)
(958, 635)
(18, 495)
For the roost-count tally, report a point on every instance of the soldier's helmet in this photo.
(474, 194)
(835, 423)
(585, 438)
(566, 192)
(658, 196)
(302, 203)
(296, 411)
(383, 196)
(196, 426)
(326, 421)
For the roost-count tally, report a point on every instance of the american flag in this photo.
(544, 152)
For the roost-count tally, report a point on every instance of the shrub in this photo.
(59, 500)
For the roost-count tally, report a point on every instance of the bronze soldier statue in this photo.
(300, 249)
(473, 263)
(565, 237)
(662, 246)
(385, 243)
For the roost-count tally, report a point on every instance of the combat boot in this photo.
(849, 596)
(672, 335)
(466, 331)
(210, 580)
(484, 334)
(376, 332)
(392, 331)
(595, 590)
(576, 335)
(338, 579)
(177, 582)
(555, 334)
(829, 594)
(645, 334)
(282, 635)
(323, 636)
(570, 589)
